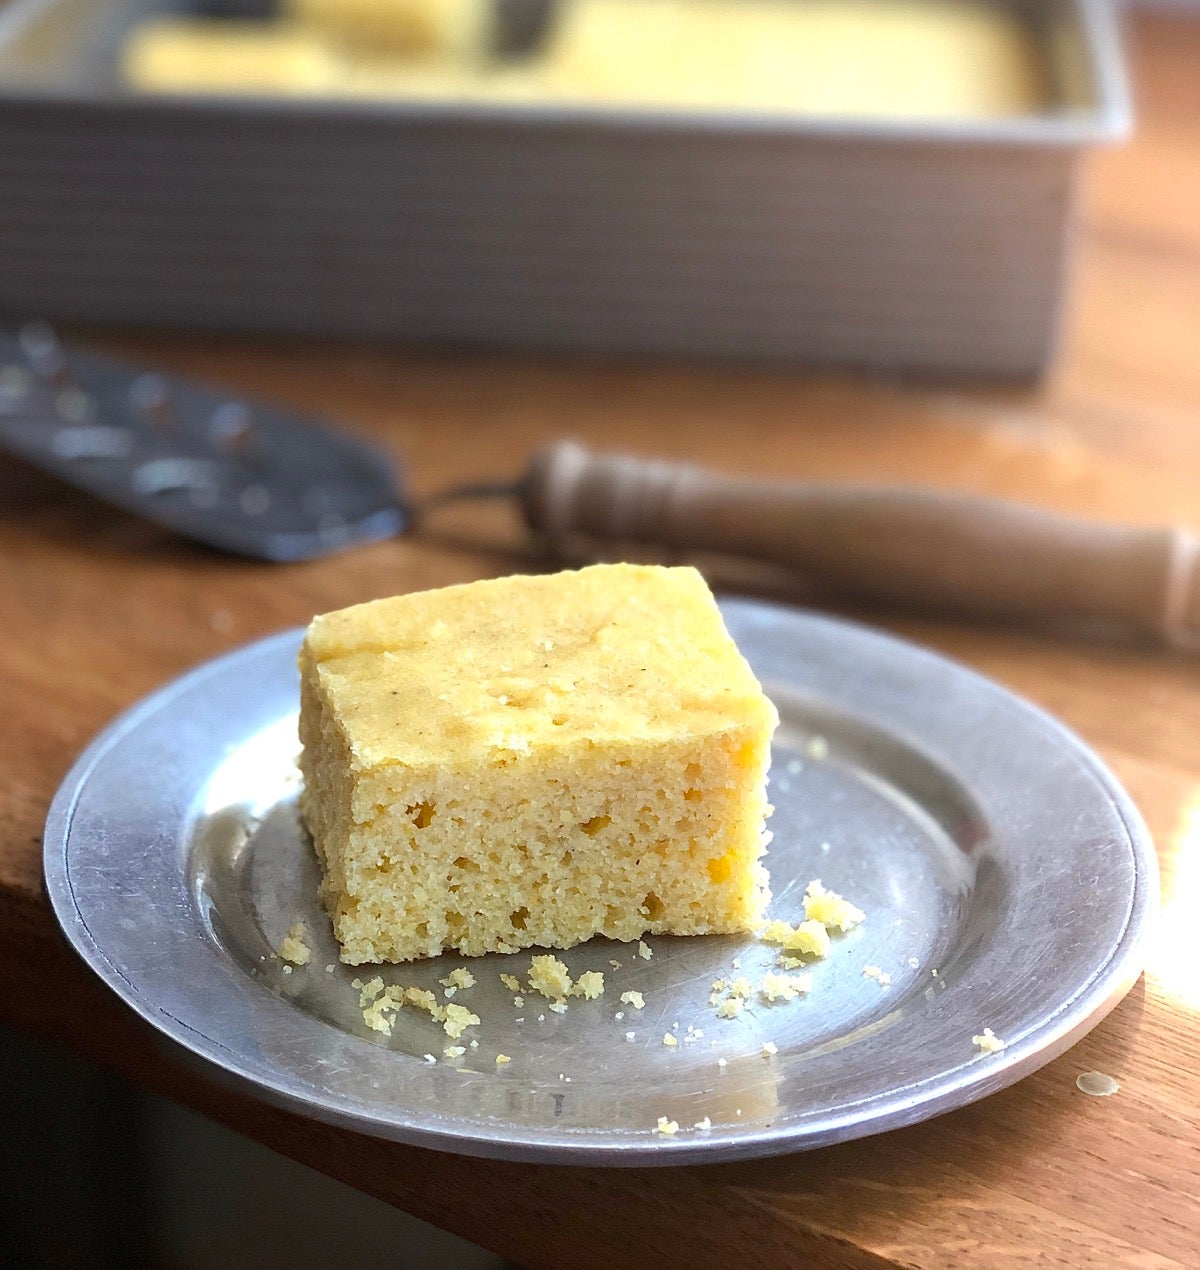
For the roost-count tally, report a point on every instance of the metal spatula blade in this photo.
(242, 476)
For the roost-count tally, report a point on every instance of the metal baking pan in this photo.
(893, 245)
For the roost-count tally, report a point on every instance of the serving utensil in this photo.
(265, 483)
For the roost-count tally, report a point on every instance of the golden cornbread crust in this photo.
(534, 761)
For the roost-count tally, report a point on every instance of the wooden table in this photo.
(100, 609)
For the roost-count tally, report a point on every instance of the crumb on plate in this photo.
(988, 1042)
(294, 948)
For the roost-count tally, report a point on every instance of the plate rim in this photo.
(895, 1106)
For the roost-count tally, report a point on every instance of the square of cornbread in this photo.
(534, 761)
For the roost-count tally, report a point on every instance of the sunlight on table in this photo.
(1175, 948)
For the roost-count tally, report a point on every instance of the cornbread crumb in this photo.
(730, 1008)
(329, 968)
(783, 987)
(809, 937)
(380, 1017)
(880, 976)
(703, 1125)
(423, 1000)
(519, 1002)
(741, 987)
(454, 1051)
(550, 977)
(458, 1018)
(501, 1059)
(791, 963)
(634, 999)
(380, 1005)
(429, 1058)
(559, 1007)
(669, 1040)
(460, 978)
(719, 985)
(589, 985)
(612, 784)
(630, 1035)
(829, 908)
(287, 970)
(1096, 1084)
(736, 963)
(511, 982)
(913, 963)
(988, 1042)
(295, 946)
(616, 965)
(370, 990)
(667, 1127)
(644, 951)
(769, 1049)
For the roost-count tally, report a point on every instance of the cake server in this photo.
(240, 476)
(261, 482)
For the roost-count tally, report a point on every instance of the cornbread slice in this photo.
(534, 761)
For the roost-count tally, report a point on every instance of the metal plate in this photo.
(1007, 879)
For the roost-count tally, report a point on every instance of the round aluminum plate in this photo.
(1006, 877)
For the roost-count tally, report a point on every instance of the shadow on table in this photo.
(95, 1175)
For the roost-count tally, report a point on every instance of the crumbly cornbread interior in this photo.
(534, 761)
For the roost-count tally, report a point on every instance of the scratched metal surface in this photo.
(983, 840)
(240, 475)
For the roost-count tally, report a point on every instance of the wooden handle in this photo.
(918, 546)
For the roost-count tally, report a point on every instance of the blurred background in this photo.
(889, 186)
(877, 183)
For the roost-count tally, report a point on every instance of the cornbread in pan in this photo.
(534, 761)
(414, 27)
(848, 59)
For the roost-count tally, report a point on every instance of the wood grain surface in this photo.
(99, 609)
